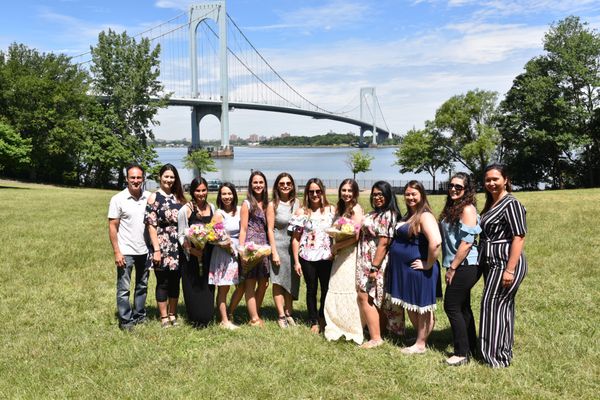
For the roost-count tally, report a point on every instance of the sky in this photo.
(417, 54)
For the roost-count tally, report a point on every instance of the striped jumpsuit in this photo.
(497, 319)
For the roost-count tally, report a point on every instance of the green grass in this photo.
(60, 338)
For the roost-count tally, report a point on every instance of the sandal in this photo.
(290, 320)
(371, 344)
(164, 322)
(282, 322)
(257, 322)
(173, 319)
(315, 329)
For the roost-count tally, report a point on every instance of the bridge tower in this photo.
(198, 12)
(367, 95)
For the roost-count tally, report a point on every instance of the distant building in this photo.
(262, 138)
(233, 137)
(253, 138)
(285, 135)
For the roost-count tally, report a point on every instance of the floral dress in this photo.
(257, 233)
(376, 225)
(162, 214)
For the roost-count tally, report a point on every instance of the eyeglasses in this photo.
(377, 195)
(458, 188)
(285, 184)
(317, 192)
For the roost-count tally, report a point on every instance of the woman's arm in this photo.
(357, 218)
(152, 232)
(271, 233)
(430, 229)
(467, 217)
(244, 215)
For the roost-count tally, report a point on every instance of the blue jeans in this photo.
(127, 316)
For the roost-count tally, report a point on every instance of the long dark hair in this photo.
(231, 187)
(264, 197)
(276, 198)
(389, 197)
(341, 204)
(306, 201)
(452, 210)
(489, 200)
(177, 189)
(422, 207)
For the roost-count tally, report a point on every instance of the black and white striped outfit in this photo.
(496, 331)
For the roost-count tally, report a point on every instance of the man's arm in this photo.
(113, 229)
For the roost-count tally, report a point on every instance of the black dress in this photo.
(198, 295)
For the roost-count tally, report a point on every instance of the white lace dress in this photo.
(341, 309)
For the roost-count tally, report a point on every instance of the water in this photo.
(327, 163)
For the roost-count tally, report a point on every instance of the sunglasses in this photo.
(282, 184)
(377, 195)
(317, 192)
(458, 188)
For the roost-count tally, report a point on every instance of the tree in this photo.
(552, 114)
(125, 77)
(423, 150)
(43, 97)
(14, 150)
(359, 162)
(469, 121)
(200, 160)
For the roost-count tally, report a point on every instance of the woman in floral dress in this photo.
(253, 228)
(376, 234)
(161, 218)
(224, 267)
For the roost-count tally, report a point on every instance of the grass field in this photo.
(60, 337)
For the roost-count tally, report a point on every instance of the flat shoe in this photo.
(257, 322)
(290, 320)
(413, 350)
(371, 344)
(229, 325)
(458, 362)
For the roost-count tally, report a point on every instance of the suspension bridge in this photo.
(208, 64)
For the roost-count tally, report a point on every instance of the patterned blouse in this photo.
(162, 214)
(315, 243)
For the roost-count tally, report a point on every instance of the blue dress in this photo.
(414, 290)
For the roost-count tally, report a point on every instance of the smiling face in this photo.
(284, 187)
(314, 195)
(167, 179)
(226, 197)
(378, 198)
(346, 193)
(495, 183)
(412, 198)
(258, 185)
(456, 188)
(135, 179)
(200, 193)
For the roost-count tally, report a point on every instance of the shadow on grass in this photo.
(14, 187)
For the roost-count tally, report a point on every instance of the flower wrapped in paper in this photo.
(251, 254)
(218, 236)
(198, 234)
(342, 229)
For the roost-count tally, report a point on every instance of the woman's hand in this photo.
(450, 276)
(508, 278)
(196, 252)
(418, 265)
(275, 259)
(156, 256)
(298, 269)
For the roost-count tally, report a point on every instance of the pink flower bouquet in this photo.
(218, 236)
(342, 229)
(251, 254)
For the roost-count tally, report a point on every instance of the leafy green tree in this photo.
(423, 150)
(551, 114)
(14, 150)
(358, 161)
(125, 77)
(43, 97)
(470, 120)
(200, 160)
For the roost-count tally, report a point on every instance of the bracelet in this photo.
(510, 272)
(157, 251)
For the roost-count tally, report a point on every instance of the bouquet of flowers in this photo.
(251, 254)
(342, 229)
(218, 236)
(198, 235)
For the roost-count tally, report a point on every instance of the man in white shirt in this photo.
(127, 233)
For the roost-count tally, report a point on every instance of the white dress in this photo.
(341, 308)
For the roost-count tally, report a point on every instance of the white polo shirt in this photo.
(132, 229)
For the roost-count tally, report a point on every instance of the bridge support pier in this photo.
(199, 112)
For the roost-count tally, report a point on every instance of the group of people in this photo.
(367, 279)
